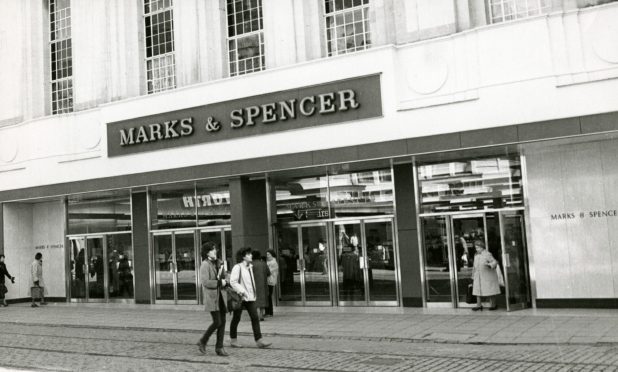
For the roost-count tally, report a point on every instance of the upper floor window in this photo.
(507, 10)
(347, 26)
(160, 62)
(245, 36)
(61, 56)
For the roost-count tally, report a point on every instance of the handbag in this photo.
(234, 299)
(470, 298)
(36, 292)
(500, 277)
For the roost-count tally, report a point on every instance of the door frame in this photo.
(86, 297)
(449, 218)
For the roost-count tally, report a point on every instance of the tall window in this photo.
(245, 36)
(507, 10)
(347, 26)
(61, 56)
(160, 63)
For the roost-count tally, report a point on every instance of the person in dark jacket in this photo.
(212, 278)
(4, 272)
(261, 274)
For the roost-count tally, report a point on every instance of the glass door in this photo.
(175, 261)
(351, 263)
(465, 230)
(164, 268)
(315, 259)
(95, 253)
(438, 273)
(514, 261)
(78, 268)
(381, 256)
(291, 279)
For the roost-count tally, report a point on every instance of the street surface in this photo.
(78, 338)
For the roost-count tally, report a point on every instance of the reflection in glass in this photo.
(478, 184)
(120, 266)
(358, 194)
(515, 258)
(213, 205)
(164, 264)
(174, 206)
(300, 199)
(289, 256)
(78, 268)
(350, 262)
(315, 263)
(96, 268)
(99, 212)
(381, 261)
(437, 269)
(185, 267)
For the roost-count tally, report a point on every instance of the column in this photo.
(249, 214)
(141, 268)
(1, 229)
(212, 39)
(407, 236)
(186, 42)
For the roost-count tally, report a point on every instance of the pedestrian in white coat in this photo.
(484, 276)
(37, 285)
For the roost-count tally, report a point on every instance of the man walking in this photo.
(3, 273)
(37, 288)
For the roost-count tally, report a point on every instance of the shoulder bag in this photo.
(234, 299)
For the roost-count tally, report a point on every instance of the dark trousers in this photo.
(252, 309)
(218, 324)
(269, 309)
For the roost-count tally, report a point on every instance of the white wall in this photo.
(31, 228)
(576, 257)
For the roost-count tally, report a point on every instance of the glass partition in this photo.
(213, 204)
(359, 194)
(108, 211)
(301, 198)
(120, 266)
(467, 185)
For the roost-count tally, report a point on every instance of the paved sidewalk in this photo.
(575, 327)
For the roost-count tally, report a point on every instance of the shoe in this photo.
(493, 308)
(201, 347)
(43, 303)
(34, 305)
(234, 343)
(477, 308)
(262, 344)
(221, 352)
(261, 319)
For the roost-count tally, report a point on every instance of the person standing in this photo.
(212, 278)
(38, 285)
(485, 278)
(261, 275)
(4, 272)
(271, 261)
(243, 282)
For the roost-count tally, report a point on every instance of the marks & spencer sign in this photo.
(331, 103)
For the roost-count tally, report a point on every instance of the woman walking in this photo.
(484, 276)
(243, 282)
(261, 275)
(4, 272)
(271, 261)
(212, 278)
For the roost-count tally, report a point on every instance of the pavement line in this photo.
(114, 356)
(405, 356)
(298, 368)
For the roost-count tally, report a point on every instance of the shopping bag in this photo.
(470, 298)
(36, 292)
(500, 277)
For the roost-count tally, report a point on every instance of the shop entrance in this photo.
(177, 262)
(448, 243)
(101, 268)
(341, 262)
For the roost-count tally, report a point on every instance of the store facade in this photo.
(369, 174)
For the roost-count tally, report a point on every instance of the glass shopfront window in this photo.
(467, 185)
(301, 198)
(213, 204)
(368, 193)
(173, 206)
(100, 212)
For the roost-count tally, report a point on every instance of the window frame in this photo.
(333, 14)
(163, 56)
(236, 37)
(539, 11)
(54, 51)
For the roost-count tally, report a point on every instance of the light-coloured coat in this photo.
(246, 285)
(484, 276)
(211, 288)
(273, 266)
(36, 274)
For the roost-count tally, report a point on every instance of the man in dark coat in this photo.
(260, 273)
(4, 272)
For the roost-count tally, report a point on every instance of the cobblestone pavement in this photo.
(113, 339)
